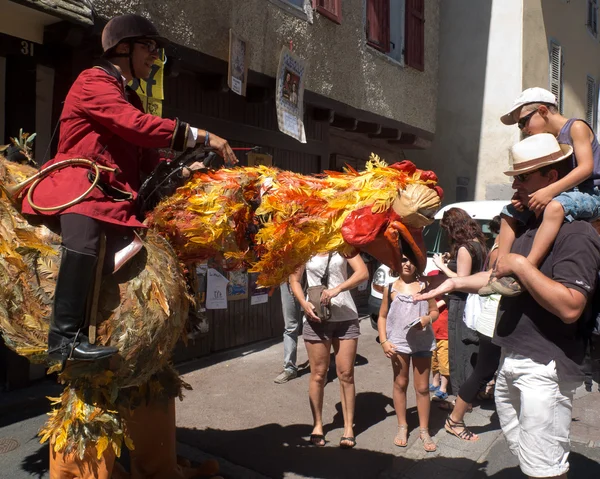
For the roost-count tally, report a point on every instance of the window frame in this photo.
(292, 9)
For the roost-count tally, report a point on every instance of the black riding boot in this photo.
(65, 338)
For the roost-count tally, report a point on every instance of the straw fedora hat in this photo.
(534, 152)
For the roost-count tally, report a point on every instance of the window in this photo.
(591, 111)
(397, 29)
(556, 77)
(298, 3)
(415, 34)
(592, 17)
(331, 9)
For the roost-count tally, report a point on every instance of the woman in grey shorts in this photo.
(341, 331)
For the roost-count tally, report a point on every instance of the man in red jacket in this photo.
(103, 120)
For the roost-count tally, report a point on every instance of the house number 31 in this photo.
(27, 48)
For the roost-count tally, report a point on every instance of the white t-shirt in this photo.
(342, 306)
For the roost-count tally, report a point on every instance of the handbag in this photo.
(472, 310)
(473, 302)
(323, 311)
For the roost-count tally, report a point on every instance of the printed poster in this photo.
(237, 74)
(216, 290)
(257, 295)
(290, 94)
(151, 91)
(238, 285)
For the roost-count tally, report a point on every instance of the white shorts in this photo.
(535, 409)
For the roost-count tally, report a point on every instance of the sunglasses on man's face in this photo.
(150, 46)
(523, 121)
(523, 176)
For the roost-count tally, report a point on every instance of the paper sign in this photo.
(237, 75)
(238, 285)
(257, 295)
(216, 290)
(290, 94)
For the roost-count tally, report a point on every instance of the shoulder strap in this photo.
(390, 294)
(325, 277)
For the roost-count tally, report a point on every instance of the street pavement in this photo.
(258, 429)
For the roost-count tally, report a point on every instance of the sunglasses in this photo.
(150, 46)
(523, 121)
(523, 176)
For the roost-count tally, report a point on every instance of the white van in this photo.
(435, 242)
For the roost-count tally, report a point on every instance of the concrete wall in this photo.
(564, 22)
(480, 74)
(342, 66)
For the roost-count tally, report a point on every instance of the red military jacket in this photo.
(104, 122)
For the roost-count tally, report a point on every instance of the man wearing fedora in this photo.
(539, 331)
(575, 196)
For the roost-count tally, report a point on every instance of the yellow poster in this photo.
(151, 91)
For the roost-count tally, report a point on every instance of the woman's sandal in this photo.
(347, 442)
(465, 434)
(401, 439)
(317, 440)
(428, 443)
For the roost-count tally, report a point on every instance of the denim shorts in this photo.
(328, 330)
(578, 204)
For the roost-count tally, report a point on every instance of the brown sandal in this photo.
(428, 443)
(465, 434)
(401, 439)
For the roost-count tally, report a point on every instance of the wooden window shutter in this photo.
(331, 9)
(590, 111)
(556, 61)
(414, 55)
(378, 24)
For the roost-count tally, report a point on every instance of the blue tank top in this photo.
(564, 137)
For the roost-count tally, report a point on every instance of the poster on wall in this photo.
(237, 74)
(291, 74)
(257, 295)
(238, 285)
(151, 90)
(216, 290)
(256, 159)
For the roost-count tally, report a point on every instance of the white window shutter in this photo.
(591, 101)
(556, 73)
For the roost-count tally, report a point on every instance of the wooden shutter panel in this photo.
(378, 24)
(414, 55)
(556, 73)
(331, 9)
(591, 101)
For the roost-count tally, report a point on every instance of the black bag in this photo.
(323, 311)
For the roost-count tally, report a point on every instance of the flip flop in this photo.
(351, 440)
(315, 440)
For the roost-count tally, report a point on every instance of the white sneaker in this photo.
(285, 376)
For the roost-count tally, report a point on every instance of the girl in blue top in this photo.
(405, 332)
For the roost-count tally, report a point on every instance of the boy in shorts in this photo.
(574, 197)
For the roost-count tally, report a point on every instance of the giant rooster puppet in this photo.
(257, 218)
